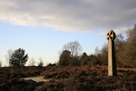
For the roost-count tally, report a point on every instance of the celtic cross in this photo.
(111, 35)
(111, 53)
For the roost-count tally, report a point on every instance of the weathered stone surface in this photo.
(111, 54)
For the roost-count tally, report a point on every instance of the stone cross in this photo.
(111, 54)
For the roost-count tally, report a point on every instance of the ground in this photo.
(68, 78)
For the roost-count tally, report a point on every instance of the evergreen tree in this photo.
(64, 58)
(18, 58)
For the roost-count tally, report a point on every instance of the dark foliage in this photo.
(64, 58)
(84, 59)
(18, 58)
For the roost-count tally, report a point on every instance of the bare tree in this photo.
(119, 46)
(40, 64)
(7, 57)
(103, 57)
(70, 54)
(0, 63)
(97, 51)
(131, 47)
(31, 62)
(74, 47)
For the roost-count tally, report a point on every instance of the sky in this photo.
(43, 27)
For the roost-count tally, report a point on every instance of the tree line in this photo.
(125, 52)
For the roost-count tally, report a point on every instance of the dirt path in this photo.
(37, 79)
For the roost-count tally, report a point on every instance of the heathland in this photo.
(67, 78)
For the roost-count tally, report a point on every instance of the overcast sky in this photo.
(42, 27)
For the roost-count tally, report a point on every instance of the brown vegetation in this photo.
(10, 78)
(68, 78)
(88, 78)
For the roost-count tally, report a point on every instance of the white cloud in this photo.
(102, 34)
(123, 30)
(117, 31)
(70, 15)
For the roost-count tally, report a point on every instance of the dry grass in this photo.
(88, 78)
(85, 78)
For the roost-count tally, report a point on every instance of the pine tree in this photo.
(18, 58)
